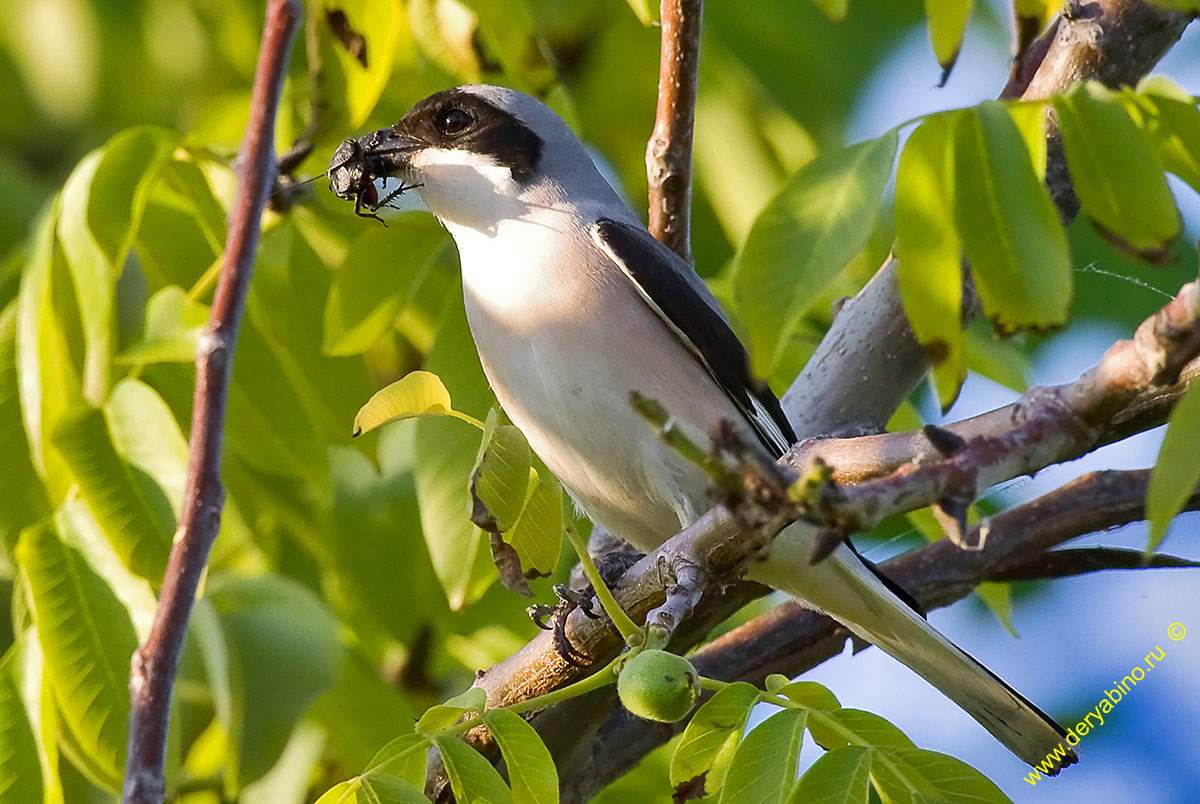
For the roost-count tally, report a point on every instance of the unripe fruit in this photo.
(656, 685)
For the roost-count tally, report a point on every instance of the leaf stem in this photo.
(625, 626)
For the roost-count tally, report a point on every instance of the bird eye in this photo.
(453, 120)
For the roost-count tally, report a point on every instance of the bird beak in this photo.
(357, 163)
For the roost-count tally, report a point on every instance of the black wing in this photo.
(673, 290)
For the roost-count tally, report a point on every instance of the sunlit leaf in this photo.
(531, 771)
(128, 504)
(1009, 226)
(1120, 185)
(834, 9)
(712, 736)
(404, 757)
(376, 280)
(947, 24)
(445, 452)
(1176, 473)
(763, 770)
(24, 498)
(472, 778)
(841, 776)
(951, 779)
(173, 326)
(869, 728)
(87, 639)
(510, 37)
(804, 236)
(1172, 125)
(20, 766)
(373, 788)
(645, 10)
(445, 31)
(446, 714)
(284, 654)
(500, 479)
(416, 394)
(930, 252)
(811, 695)
(537, 533)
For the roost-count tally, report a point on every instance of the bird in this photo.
(574, 306)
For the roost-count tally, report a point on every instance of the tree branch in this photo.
(790, 639)
(669, 151)
(155, 663)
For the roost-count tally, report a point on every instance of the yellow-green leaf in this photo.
(930, 252)
(404, 757)
(373, 788)
(21, 779)
(87, 639)
(1172, 124)
(841, 776)
(947, 778)
(1176, 473)
(416, 394)
(25, 498)
(645, 10)
(764, 766)
(947, 24)
(500, 478)
(446, 714)
(869, 729)
(712, 736)
(531, 771)
(1120, 184)
(804, 236)
(472, 778)
(1009, 226)
(128, 504)
(537, 534)
(834, 9)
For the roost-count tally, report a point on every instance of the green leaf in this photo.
(445, 454)
(1009, 226)
(101, 207)
(87, 639)
(763, 770)
(416, 394)
(804, 236)
(20, 764)
(538, 531)
(283, 654)
(49, 383)
(510, 37)
(472, 778)
(445, 715)
(811, 695)
(841, 776)
(1030, 117)
(25, 499)
(645, 10)
(373, 788)
(378, 23)
(1172, 125)
(404, 757)
(445, 31)
(1120, 184)
(129, 505)
(834, 9)
(712, 736)
(1177, 470)
(531, 771)
(866, 727)
(930, 252)
(499, 481)
(951, 779)
(947, 24)
(173, 326)
(376, 281)
(1177, 5)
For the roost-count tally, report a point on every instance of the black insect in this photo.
(355, 167)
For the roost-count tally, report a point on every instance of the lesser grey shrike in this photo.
(574, 307)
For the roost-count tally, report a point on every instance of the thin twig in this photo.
(669, 151)
(155, 663)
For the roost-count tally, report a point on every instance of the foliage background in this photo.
(323, 587)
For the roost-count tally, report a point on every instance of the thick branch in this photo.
(669, 151)
(790, 639)
(155, 663)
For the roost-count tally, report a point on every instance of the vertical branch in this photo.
(154, 665)
(669, 151)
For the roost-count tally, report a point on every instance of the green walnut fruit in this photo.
(656, 685)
